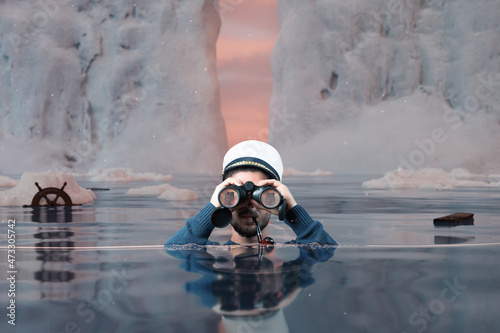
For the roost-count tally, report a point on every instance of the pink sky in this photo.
(247, 37)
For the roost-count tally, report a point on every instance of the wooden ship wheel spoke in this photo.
(51, 196)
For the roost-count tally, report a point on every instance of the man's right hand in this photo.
(215, 196)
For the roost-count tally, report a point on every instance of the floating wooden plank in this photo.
(454, 220)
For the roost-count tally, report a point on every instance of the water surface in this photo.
(102, 267)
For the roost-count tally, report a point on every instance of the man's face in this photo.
(248, 209)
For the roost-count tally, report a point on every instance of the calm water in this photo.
(103, 268)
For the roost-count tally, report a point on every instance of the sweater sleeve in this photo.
(307, 229)
(196, 230)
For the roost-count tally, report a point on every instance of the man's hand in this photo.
(283, 189)
(215, 196)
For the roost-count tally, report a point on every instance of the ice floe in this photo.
(24, 191)
(164, 191)
(296, 172)
(124, 175)
(7, 181)
(431, 178)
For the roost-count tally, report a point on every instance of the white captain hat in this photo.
(254, 153)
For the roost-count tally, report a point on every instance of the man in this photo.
(261, 164)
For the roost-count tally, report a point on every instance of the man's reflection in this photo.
(250, 285)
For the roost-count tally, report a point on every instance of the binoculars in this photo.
(229, 197)
(267, 196)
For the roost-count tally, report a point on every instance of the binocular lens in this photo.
(229, 197)
(270, 198)
(267, 196)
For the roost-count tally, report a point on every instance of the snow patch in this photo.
(22, 194)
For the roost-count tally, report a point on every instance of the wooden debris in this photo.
(454, 220)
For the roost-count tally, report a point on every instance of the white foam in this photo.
(165, 191)
(23, 192)
(124, 175)
(430, 178)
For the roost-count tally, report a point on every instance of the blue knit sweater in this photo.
(198, 229)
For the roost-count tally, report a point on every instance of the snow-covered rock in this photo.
(370, 86)
(23, 193)
(109, 83)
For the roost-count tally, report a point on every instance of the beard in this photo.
(249, 231)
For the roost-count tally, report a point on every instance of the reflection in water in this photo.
(250, 285)
(118, 287)
(55, 214)
(53, 252)
(53, 249)
(452, 240)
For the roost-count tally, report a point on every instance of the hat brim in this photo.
(254, 162)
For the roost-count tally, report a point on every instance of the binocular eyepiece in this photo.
(230, 196)
(267, 196)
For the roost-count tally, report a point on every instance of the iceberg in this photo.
(371, 86)
(105, 84)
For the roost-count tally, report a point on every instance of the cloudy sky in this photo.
(248, 33)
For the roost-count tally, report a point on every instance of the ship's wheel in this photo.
(51, 196)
